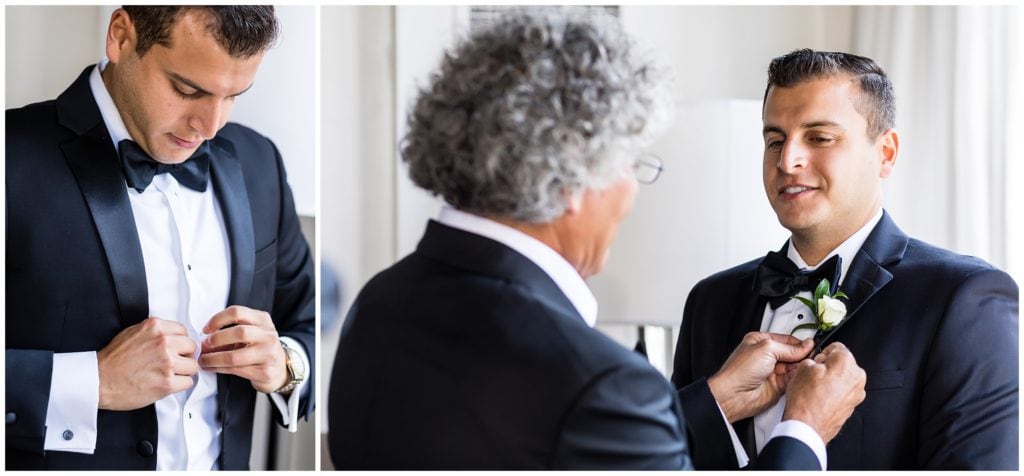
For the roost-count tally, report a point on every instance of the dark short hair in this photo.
(243, 31)
(877, 103)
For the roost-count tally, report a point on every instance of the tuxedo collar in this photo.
(480, 255)
(77, 109)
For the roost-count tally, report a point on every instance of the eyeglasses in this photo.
(648, 168)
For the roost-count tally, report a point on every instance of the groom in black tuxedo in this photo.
(935, 331)
(156, 275)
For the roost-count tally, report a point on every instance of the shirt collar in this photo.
(553, 264)
(846, 251)
(111, 117)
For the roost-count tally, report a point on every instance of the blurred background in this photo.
(956, 71)
(47, 47)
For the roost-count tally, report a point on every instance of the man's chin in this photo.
(173, 157)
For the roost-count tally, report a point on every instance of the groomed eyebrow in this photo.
(806, 125)
(187, 82)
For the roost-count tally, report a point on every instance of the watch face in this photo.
(298, 366)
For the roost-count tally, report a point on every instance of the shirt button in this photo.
(68, 435)
(145, 448)
(189, 415)
(189, 267)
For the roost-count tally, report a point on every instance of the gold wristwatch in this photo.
(296, 369)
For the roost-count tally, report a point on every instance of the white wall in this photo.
(723, 51)
(357, 180)
(47, 47)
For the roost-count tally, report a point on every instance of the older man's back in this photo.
(465, 354)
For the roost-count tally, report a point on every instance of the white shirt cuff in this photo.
(803, 432)
(73, 404)
(289, 409)
(741, 453)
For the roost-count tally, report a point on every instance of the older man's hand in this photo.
(754, 376)
(824, 391)
(242, 341)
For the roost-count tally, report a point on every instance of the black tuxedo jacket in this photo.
(76, 277)
(936, 333)
(466, 355)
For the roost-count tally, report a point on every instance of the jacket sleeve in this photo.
(628, 418)
(969, 408)
(28, 391)
(294, 306)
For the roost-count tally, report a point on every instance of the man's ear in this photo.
(889, 148)
(121, 38)
(573, 201)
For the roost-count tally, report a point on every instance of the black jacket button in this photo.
(145, 448)
(11, 418)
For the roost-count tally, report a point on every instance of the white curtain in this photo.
(955, 70)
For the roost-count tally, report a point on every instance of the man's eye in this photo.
(186, 94)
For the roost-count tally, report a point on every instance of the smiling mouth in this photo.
(795, 191)
(185, 144)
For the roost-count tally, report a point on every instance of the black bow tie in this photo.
(779, 279)
(140, 168)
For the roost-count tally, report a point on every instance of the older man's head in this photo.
(537, 121)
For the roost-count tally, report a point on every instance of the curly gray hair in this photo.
(525, 112)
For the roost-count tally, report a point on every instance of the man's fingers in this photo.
(180, 345)
(235, 315)
(178, 383)
(237, 337)
(233, 358)
(785, 339)
(183, 366)
(254, 355)
(156, 325)
(790, 352)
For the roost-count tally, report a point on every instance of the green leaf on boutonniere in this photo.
(821, 290)
(807, 302)
(809, 325)
(840, 294)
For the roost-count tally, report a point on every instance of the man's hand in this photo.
(144, 363)
(754, 376)
(242, 341)
(824, 391)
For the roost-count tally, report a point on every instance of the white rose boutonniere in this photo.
(831, 311)
(827, 309)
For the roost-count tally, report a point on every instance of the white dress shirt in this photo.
(793, 313)
(575, 288)
(187, 254)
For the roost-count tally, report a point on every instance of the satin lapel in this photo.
(884, 246)
(865, 279)
(97, 169)
(229, 186)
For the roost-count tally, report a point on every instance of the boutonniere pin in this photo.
(826, 307)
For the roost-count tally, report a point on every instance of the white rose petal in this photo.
(831, 311)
